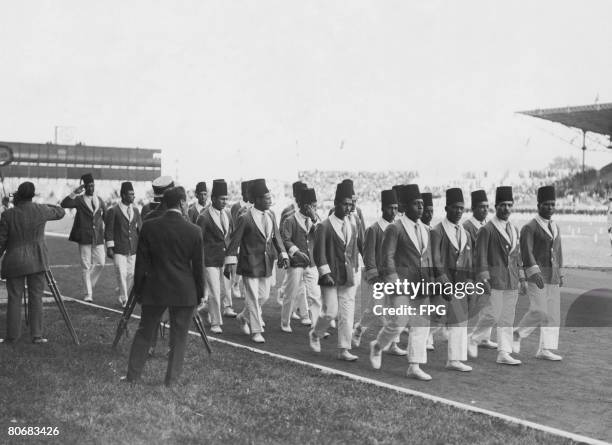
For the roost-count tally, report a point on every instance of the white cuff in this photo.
(391, 278)
(532, 270)
(284, 255)
(292, 250)
(521, 274)
(231, 260)
(324, 270)
(110, 244)
(484, 276)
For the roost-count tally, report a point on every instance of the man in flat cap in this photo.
(372, 272)
(88, 231)
(157, 207)
(22, 242)
(217, 226)
(406, 256)
(451, 250)
(123, 224)
(298, 236)
(196, 209)
(334, 256)
(480, 214)
(542, 260)
(254, 246)
(168, 275)
(500, 268)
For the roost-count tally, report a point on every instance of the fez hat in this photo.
(126, 187)
(307, 196)
(503, 194)
(25, 191)
(258, 188)
(427, 199)
(219, 188)
(344, 190)
(409, 192)
(349, 183)
(479, 196)
(388, 197)
(297, 187)
(546, 193)
(161, 184)
(244, 188)
(87, 178)
(200, 187)
(453, 196)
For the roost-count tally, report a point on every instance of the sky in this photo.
(264, 88)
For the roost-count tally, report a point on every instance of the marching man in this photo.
(258, 238)
(452, 258)
(542, 260)
(500, 268)
(123, 225)
(196, 209)
(298, 235)
(406, 256)
(334, 256)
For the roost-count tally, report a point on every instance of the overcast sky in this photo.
(256, 88)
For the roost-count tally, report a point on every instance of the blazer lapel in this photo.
(408, 238)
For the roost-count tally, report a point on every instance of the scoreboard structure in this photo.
(52, 161)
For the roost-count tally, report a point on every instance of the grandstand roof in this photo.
(596, 118)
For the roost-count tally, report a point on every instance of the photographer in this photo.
(22, 240)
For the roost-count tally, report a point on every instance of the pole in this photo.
(583, 156)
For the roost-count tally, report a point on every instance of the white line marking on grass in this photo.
(436, 399)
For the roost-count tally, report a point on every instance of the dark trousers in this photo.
(14, 288)
(180, 319)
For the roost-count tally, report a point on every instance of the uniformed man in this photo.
(500, 268)
(196, 209)
(123, 224)
(22, 242)
(452, 260)
(157, 208)
(88, 231)
(542, 260)
(406, 256)
(334, 256)
(258, 238)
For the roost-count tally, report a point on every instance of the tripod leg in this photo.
(60, 304)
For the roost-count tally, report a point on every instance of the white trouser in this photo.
(457, 314)
(301, 301)
(476, 304)
(545, 312)
(92, 264)
(124, 270)
(499, 310)
(218, 288)
(419, 327)
(301, 284)
(338, 301)
(256, 293)
(235, 280)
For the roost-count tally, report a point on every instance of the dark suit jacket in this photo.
(122, 233)
(495, 261)
(236, 210)
(22, 237)
(215, 243)
(88, 227)
(295, 237)
(372, 251)
(169, 267)
(257, 255)
(332, 256)
(541, 253)
(450, 264)
(193, 214)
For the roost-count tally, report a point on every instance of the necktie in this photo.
(458, 235)
(129, 212)
(509, 232)
(550, 229)
(266, 225)
(307, 224)
(419, 237)
(223, 222)
(345, 232)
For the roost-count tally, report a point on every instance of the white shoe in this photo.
(88, 298)
(504, 358)
(375, 356)
(516, 343)
(313, 341)
(216, 330)
(396, 350)
(286, 328)
(295, 316)
(306, 322)
(487, 344)
(416, 372)
(546, 354)
(472, 349)
(258, 338)
(456, 365)
(357, 333)
(346, 356)
(244, 325)
(229, 312)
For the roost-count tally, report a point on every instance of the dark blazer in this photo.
(169, 267)
(88, 227)
(122, 233)
(450, 264)
(193, 214)
(257, 255)
(22, 237)
(372, 251)
(540, 253)
(401, 259)
(295, 237)
(332, 256)
(215, 243)
(494, 260)
(236, 210)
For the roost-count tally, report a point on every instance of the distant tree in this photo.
(560, 163)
